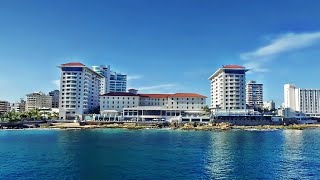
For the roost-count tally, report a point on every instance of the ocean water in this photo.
(159, 154)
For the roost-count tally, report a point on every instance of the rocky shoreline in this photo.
(188, 126)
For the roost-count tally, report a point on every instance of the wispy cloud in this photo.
(134, 77)
(279, 45)
(56, 83)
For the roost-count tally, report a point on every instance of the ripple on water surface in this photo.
(159, 154)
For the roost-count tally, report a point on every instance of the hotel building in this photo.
(117, 101)
(79, 90)
(306, 101)
(111, 81)
(4, 106)
(228, 88)
(38, 100)
(151, 103)
(254, 94)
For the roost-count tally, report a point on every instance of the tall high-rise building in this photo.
(254, 94)
(79, 90)
(306, 101)
(112, 81)
(228, 88)
(55, 98)
(38, 100)
(4, 107)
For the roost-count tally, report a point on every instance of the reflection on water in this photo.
(245, 155)
(220, 157)
(292, 154)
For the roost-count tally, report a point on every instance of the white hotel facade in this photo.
(150, 106)
(228, 89)
(306, 101)
(79, 91)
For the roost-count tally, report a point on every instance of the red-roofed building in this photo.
(79, 91)
(178, 101)
(73, 64)
(233, 66)
(228, 88)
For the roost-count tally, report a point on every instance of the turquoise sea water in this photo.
(159, 154)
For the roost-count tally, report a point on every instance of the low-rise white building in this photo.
(179, 101)
(117, 101)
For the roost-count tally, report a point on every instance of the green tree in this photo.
(206, 109)
(55, 115)
(1, 116)
(34, 114)
(13, 116)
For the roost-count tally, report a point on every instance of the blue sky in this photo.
(163, 45)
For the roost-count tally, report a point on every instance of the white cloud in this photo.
(282, 44)
(56, 83)
(255, 66)
(134, 77)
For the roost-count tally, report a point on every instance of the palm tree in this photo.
(24, 115)
(55, 115)
(34, 114)
(1, 116)
(206, 109)
(13, 116)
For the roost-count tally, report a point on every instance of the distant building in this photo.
(38, 100)
(55, 98)
(270, 105)
(79, 90)
(4, 106)
(19, 106)
(111, 81)
(228, 88)
(254, 94)
(306, 101)
(179, 101)
(118, 82)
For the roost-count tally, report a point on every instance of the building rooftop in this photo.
(187, 95)
(75, 64)
(78, 64)
(182, 95)
(119, 94)
(233, 66)
(228, 67)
